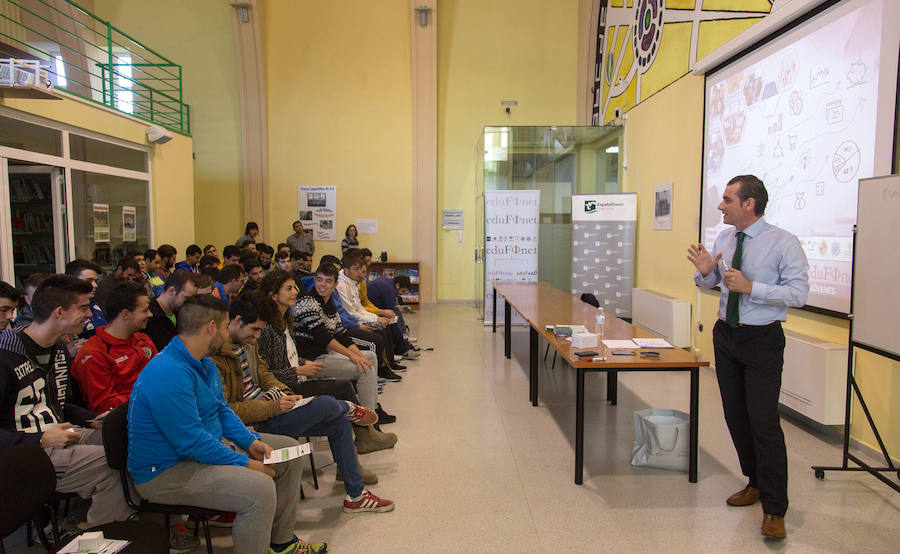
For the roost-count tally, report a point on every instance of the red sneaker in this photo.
(224, 520)
(361, 415)
(367, 502)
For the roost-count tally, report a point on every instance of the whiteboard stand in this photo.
(853, 389)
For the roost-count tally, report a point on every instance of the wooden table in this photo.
(541, 304)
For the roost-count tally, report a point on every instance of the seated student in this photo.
(89, 271)
(178, 421)
(283, 247)
(248, 247)
(9, 301)
(277, 344)
(251, 231)
(207, 261)
(126, 270)
(266, 253)
(36, 398)
(206, 283)
(191, 260)
(283, 261)
(23, 315)
(398, 330)
(383, 293)
(254, 272)
(259, 399)
(107, 365)
(229, 282)
(301, 264)
(320, 336)
(211, 250)
(231, 254)
(167, 255)
(152, 281)
(162, 326)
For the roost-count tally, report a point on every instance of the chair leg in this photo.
(209, 549)
(302, 494)
(554, 360)
(312, 466)
(547, 351)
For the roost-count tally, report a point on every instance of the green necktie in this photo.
(731, 312)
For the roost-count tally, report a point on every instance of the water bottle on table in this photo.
(600, 321)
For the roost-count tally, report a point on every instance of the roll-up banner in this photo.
(603, 230)
(510, 243)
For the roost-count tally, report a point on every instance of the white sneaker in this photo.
(398, 357)
(411, 339)
(411, 354)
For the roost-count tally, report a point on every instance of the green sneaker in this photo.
(300, 547)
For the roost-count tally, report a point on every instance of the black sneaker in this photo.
(398, 367)
(386, 373)
(383, 417)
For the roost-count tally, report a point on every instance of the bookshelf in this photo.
(392, 269)
(31, 211)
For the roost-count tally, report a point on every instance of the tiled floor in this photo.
(477, 468)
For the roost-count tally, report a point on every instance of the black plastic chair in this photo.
(115, 443)
(27, 487)
(587, 298)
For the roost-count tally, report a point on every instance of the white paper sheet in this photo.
(288, 454)
(652, 343)
(615, 344)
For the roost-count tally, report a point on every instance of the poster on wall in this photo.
(662, 207)
(317, 209)
(603, 247)
(510, 243)
(101, 222)
(129, 224)
(365, 226)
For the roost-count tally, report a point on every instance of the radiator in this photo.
(814, 381)
(664, 315)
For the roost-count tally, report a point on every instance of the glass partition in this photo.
(559, 161)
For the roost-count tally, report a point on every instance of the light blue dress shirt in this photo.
(774, 261)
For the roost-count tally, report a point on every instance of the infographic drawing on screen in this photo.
(802, 118)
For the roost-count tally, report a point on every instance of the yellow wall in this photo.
(521, 50)
(663, 143)
(170, 164)
(199, 36)
(339, 93)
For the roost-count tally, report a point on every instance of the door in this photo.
(480, 300)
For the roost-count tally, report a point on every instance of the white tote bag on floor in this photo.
(661, 439)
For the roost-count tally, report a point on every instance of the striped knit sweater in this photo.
(316, 323)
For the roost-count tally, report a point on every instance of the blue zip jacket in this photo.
(177, 411)
(347, 320)
(93, 323)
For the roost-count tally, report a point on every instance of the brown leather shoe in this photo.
(773, 527)
(745, 497)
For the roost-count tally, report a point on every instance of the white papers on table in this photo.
(94, 542)
(302, 402)
(652, 343)
(288, 454)
(616, 344)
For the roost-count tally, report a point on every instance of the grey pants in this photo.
(338, 366)
(82, 469)
(266, 509)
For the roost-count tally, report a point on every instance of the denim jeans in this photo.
(323, 417)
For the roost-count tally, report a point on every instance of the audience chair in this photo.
(587, 298)
(27, 487)
(115, 443)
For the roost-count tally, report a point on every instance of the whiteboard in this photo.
(876, 294)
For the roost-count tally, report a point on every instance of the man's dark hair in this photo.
(231, 250)
(132, 254)
(296, 222)
(207, 261)
(299, 255)
(250, 263)
(128, 263)
(192, 250)
(281, 255)
(263, 247)
(35, 279)
(402, 281)
(749, 186)
(57, 291)
(150, 254)
(365, 252)
(352, 257)
(282, 245)
(178, 279)
(329, 259)
(244, 308)
(75, 267)
(207, 247)
(229, 273)
(328, 270)
(9, 292)
(246, 244)
(124, 296)
(199, 310)
(211, 271)
(167, 251)
(251, 226)
(205, 280)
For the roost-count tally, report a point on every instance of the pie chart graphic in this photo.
(845, 162)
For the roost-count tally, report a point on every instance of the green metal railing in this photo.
(91, 58)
